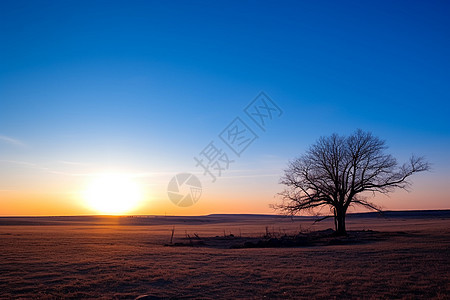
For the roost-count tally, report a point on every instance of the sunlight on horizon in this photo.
(113, 194)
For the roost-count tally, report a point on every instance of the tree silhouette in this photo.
(335, 172)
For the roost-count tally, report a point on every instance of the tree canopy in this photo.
(337, 170)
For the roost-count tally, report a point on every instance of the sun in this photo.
(112, 194)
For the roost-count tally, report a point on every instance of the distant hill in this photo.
(416, 214)
(195, 220)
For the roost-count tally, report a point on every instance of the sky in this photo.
(141, 89)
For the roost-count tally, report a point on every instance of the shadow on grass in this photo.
(316, 238)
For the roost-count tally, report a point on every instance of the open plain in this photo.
(126, 257)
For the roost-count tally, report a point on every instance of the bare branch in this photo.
(337, 169)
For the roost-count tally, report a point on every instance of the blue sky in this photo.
(144, 86)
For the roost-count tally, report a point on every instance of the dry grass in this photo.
(116, 259)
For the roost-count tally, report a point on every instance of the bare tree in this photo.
(337, 170)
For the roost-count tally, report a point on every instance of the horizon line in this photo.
(215, 214)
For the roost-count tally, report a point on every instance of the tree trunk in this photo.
(340, 221)
(335, 220)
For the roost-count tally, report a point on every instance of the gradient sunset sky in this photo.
(140, 88)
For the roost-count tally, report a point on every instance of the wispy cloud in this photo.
(82, 174)
(11, 141)
(251, 176)
(42, 168)
(72, 163)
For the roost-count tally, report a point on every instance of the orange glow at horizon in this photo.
(67, 199)
(112, 194)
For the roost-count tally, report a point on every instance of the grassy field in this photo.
(124, 257)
